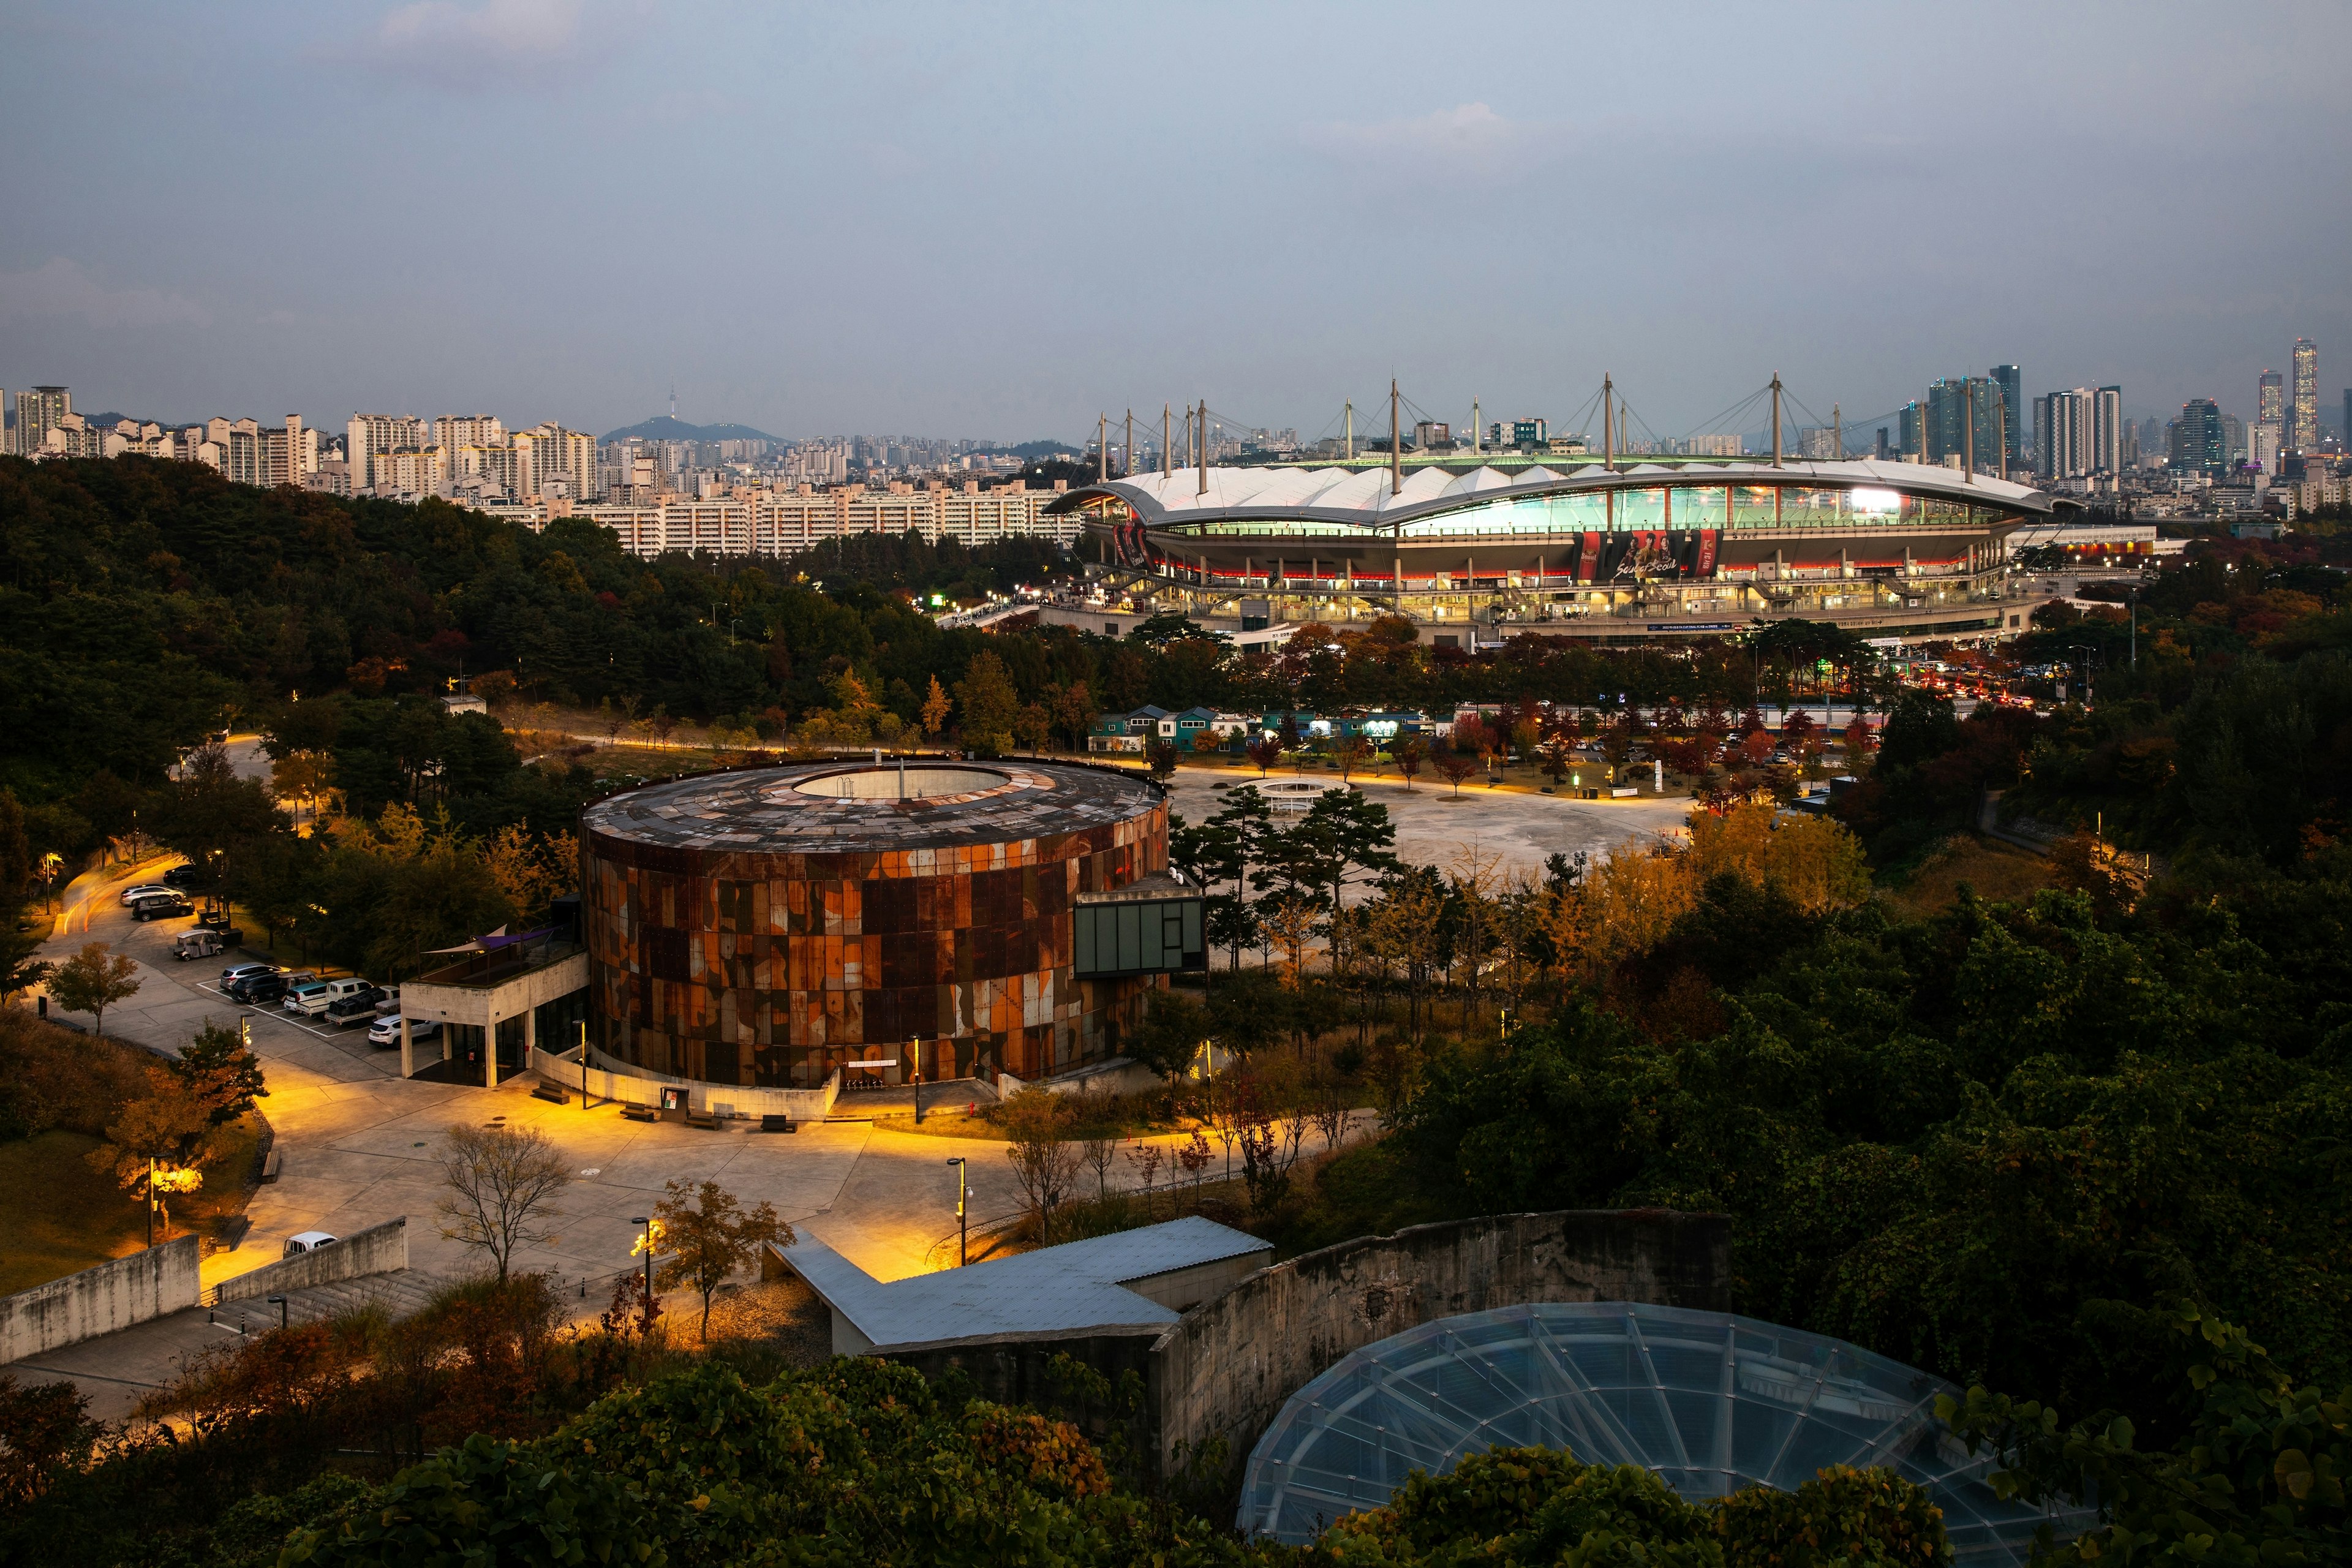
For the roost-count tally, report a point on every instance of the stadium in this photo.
(1478, 550)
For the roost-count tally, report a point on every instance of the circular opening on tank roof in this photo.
(911, 782)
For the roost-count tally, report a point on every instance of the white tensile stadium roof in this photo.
(1362, 495)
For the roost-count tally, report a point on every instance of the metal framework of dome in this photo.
(1709, 1402)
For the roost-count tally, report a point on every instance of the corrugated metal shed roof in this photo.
(1077, 1285)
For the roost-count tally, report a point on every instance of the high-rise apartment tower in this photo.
(2304, 430)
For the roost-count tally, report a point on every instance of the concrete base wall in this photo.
(380, 1249)
(1226, 1369)
(114, 1295)
(611, 1080)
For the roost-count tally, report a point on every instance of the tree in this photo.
(90, 981)
(1264, 750)
(661, 723)
(1045, 1160)
(502, 1186)
(1410, 752)
(1454, 768)
(221, 1072)
(1160, 758)
(156, 1141)
(991, 705)
(712, 1237)
(1351, 755)
(1073, 707)
(935, 710)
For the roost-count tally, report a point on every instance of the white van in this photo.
(312, 1000)
(307, 1241)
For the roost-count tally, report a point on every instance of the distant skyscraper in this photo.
(2197, 442)
(1949, 406)
(2108, 430)
(2151, 439)
(1911, 432)
(2012, 382)
(2270, 399)
(38, 412)
(2304, 430)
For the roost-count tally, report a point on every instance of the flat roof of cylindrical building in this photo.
(859, 808)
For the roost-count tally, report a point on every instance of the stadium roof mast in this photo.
(1396, 443)
(1476, 430)
(1167, 452)
(1204, 448)
(1969, 428)
(1347, 441)
(1776, 418)
(1608, 424)
(1837, 431)
(1126, 455)
(1102, 449)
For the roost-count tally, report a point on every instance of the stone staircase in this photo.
(400, 1294)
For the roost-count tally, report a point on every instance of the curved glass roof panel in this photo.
(1710, 1402)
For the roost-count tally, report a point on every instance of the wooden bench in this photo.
(702, 1119)
(772, 1121)
(270, 1166)
(631, 1112)
(553, 1093)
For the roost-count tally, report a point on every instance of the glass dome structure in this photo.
(1709, 1402)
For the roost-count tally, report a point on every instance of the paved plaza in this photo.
(358, 1144)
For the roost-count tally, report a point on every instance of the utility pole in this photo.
(1776, 418)
(963, 1226)
(1608, 424)
(1396, 443)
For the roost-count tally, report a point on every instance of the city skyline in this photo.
(997, 223)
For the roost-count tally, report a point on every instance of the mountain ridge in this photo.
(667, 427)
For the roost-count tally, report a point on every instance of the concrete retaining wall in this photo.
(114, 1295)
(1226, 1369)
(608, 1079)
(380, 1249)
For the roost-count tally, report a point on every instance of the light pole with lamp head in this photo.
(646, 1220)
(963, 1226)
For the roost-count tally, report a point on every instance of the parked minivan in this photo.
(309, 1241)
(312, 1000)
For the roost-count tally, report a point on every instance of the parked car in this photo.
(163, 906)
(181, 877)
(306, 1000)
(388, 1004)
(355, 1007)
(236, 971)
(386, 1031)
(257, 990)
(309, 1241)
(148, 890)
(313, 998)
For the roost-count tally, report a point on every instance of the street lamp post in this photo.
(963, 1226)
(646, 1220)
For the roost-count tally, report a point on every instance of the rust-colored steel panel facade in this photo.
(765, 926)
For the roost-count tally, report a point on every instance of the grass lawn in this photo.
(63, 1215)
(1999, 872)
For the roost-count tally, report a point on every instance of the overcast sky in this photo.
(994, 221)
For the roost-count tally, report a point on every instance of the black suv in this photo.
(161, 906)
(255, 989)
(181, 876)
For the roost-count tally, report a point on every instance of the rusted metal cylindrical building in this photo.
(767, 926)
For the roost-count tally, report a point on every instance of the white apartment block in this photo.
(368, 434)
(454, 431)
(550, 462)
(772, 523)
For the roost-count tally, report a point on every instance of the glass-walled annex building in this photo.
(1623, 553)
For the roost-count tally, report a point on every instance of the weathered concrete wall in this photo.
(1225, 1370)
(380, 1249)
(100, 1301)
(611, 1080)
